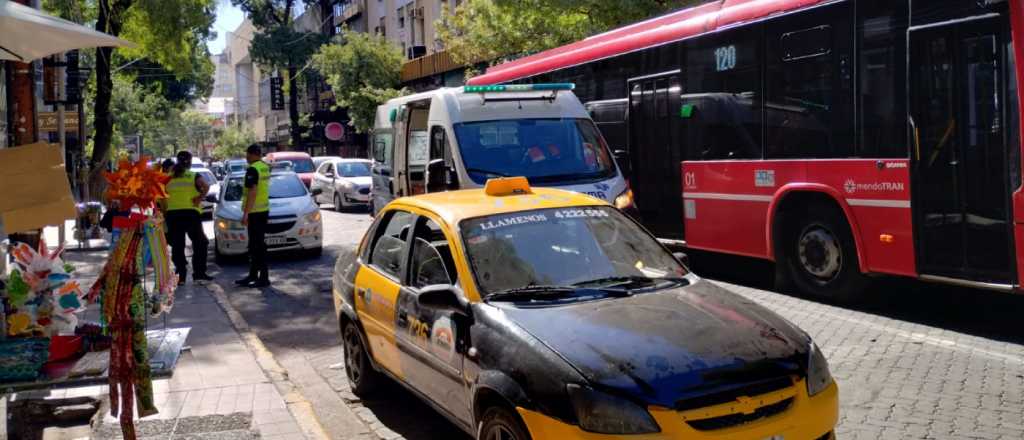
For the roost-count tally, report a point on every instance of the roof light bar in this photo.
(500, 88)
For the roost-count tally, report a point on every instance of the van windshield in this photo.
(543, 150)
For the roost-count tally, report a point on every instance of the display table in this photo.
(164, 347)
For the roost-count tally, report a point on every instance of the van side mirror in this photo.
(436, 176)
(212, 197)
(317, 191)
(682, 258)
(443, 298)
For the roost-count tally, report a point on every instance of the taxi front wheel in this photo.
(499, 423)
(361, 375)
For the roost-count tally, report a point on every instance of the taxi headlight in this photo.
(605, 414)
(624, 200)
(313, 217)
(229, 225)
(818, 376)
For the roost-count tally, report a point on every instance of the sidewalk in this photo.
(218, 390)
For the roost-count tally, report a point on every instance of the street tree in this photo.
(196, 130)
(364, 71)
(278, 45)
(233, 141)
(141, 110)
(497, 30)
(167, 32)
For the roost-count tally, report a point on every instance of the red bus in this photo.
(839, 139)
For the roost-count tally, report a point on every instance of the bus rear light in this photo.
(886, 238)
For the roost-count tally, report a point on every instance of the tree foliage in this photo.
(196, 129)
(233, 141)
(167, 32)
(496, 30)
(277, 45)
(143, 111)
(363, 72)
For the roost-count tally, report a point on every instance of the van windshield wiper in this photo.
(483, 171)
(625, 280)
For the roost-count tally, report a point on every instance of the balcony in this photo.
(348, 11)
(433, 64)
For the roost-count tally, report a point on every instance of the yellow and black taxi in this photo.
(530, 313)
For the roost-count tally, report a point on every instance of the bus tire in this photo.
(820, 255)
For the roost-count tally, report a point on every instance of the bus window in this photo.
(882, 25)
(809, 107)
(723, 87)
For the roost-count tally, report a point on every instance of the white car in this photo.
(344, 183)
(295, 223)
(319, 160)
(210, 199)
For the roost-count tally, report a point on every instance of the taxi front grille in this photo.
(730, 395)
(732, 420)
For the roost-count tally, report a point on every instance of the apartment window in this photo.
(382, 29)
(401, 18)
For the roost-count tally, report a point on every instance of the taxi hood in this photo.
(667, 345)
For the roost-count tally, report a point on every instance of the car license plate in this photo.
(273, 241)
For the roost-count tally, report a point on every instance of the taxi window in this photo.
(432, 261)
(387, 253)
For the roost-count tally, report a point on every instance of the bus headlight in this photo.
(818, 376)
(624, 200)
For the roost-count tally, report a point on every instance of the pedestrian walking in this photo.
(182, 213)
(255, 212)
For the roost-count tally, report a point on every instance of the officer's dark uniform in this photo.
(257, 181)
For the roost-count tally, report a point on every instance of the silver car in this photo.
(295, 222)
(345, 183)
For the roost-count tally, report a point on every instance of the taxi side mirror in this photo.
(317, 191)
(444, 298)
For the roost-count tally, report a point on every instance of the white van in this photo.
(457, 138)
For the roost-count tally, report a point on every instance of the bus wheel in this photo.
(822, 256)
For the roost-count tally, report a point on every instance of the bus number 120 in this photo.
(725, 58)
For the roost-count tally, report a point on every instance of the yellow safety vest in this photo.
(262, 188)
(181, 191)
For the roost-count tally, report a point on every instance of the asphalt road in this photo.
(912, 361)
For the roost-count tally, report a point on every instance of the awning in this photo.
(30, 34)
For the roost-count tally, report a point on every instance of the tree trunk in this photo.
(107, 21)
(293, 107)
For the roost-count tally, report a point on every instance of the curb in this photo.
(300, 408)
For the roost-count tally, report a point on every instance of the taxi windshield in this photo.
(543, 150)
(564, 247)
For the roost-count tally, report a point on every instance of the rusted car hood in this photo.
(667, 345)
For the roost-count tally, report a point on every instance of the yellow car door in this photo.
(377, 287)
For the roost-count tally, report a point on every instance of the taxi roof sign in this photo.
(507, 186)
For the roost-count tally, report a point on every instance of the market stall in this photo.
(43, 342)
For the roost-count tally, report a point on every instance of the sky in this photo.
(228, 18)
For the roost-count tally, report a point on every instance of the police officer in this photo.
(255, 212)
(185, 191)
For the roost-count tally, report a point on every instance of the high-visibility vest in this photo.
(262, 188)
(181, 191)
